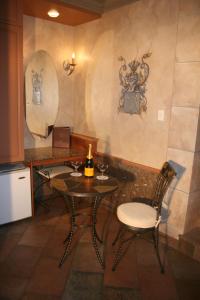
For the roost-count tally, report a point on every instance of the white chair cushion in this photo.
(137, 215)
(53, 171)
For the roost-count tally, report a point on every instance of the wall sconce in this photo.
(69, 67)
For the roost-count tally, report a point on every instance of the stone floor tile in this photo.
(12, 287)
(186, 247)
(48, 278)
(154, 285)
(83, 285)
(21, 262)
(36, 235)
(85, 259)
(86, 237)
(55, 245)
(7, 244)
(86, 279)
(81, 294)
(188, 289)
(196, 254)
(63, 222)
(146, 254)
(192, 236)
(44, 213)
(121, 294)
(182, 266)
(29, 296)
(47, 220)
(30, 251)
(125, 275)
(17, 227)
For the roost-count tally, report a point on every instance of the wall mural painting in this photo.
(37, 87)
(133, 77)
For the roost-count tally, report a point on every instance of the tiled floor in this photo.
(30, 252)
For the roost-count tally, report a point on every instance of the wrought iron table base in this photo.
(95, 237)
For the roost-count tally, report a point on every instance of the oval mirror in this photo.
(41, 92)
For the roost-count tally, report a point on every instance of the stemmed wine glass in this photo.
(102, 167)
(76, 165)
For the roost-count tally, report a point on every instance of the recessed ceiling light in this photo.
(53, 13)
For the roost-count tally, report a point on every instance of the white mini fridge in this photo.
(15, 195)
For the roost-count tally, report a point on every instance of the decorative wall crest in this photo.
(133, 77)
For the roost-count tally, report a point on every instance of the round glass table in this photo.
(73, 188)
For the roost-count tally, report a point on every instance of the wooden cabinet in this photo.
(11, 12)
(11, 82)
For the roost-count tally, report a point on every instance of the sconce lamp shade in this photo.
(69, 67)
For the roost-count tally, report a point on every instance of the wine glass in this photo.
(102, 167)
(76, 165)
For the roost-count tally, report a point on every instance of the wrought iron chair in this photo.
(46, 174)
(143, 215)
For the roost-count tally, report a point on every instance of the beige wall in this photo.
(89, 98)
(58, 41)
(184, 130)
(169, 29)
(130, 31)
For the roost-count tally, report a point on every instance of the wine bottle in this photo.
(89, 163)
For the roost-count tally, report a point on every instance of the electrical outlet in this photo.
(161, 115)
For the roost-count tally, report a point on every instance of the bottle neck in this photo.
(89, 156)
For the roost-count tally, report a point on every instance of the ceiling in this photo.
(72, 12)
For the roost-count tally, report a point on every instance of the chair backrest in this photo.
(52, 171)
(163, 181)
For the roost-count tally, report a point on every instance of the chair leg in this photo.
(117, 236)
(67, 248)
(118, 257)
(119, 253)
(67, 238)
(156, 245)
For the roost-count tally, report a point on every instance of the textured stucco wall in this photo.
(58, 41)
(169, 29)
(130, 31)
(184, 132)
(89, 98)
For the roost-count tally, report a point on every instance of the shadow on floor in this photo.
(30, 251)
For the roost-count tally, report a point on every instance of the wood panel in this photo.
(69, 15)
(11, 12)
(80, 141)
(11, 113)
